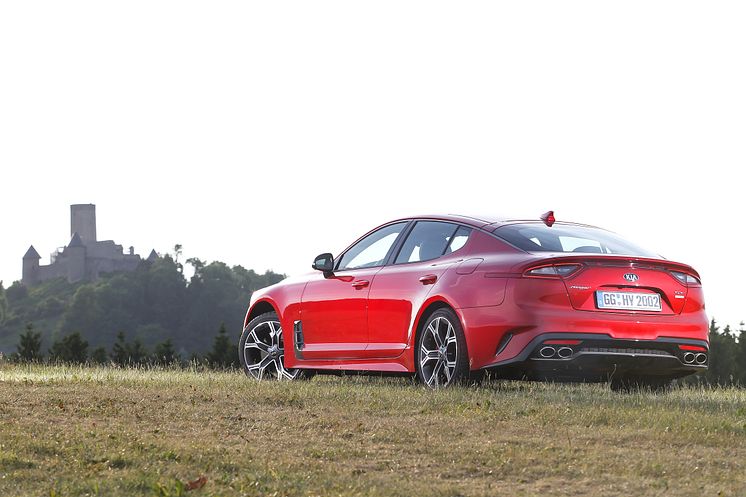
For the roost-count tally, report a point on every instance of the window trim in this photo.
(396, 247)
(405, 230)
(415, 222)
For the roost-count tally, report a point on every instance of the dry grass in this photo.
(98, 431)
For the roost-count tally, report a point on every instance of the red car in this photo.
(450, 297)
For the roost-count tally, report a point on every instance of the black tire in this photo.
(441, 357)
(261, 350)
(628, 384)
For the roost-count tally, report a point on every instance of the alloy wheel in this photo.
(264, 352)
(439, 353)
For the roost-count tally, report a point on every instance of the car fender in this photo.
(284, 298)
(432, 299)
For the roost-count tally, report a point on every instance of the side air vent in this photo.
(298, 335)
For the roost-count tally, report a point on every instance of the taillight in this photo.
(554, 271)
(686, 278)
(542, 271)
(567, 269)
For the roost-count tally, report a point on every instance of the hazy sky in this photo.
(263, 133)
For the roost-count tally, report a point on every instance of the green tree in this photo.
(125, 354)
(165, 295)
(138, 353)
(98, 355)
(84, 315)
(16, 292)
(119, 352)
(740, 355)
(164, 353)
(71, 348)
(3, 304)
(223, 352)
(196, 263)
(152, 334)
(51, 306)
(122, 300)
(177, 253)
(722, 360)
(29, 345)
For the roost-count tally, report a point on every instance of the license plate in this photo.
(629, 301)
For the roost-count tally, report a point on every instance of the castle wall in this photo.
(56, 270)
(76, 263)
(84, 258)
(105, 250)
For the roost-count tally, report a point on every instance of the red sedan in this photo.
(450, 297)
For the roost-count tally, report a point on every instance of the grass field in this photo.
(98, 431)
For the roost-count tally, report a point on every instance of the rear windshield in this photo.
(537, 237)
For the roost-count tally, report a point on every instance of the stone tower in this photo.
(30, 273)
(83, 222)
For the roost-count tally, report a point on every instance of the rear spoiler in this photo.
(604, 260)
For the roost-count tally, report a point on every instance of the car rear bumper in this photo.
(597, 356)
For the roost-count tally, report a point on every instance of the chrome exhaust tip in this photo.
(689, 358)
(564, 352)
(547, 352)
(701, 359)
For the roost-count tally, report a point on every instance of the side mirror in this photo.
(324, 262)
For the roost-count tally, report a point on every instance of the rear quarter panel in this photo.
(475, 287)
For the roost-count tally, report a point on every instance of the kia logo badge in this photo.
(631, 277)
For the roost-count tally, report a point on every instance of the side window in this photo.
(459, 239)
(428, 240)
(371, 251)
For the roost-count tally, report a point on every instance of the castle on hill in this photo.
(84, 258)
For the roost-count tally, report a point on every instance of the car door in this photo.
(334, 307)
(399, 290)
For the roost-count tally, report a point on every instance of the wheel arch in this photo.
(260, 307)
(428, 308)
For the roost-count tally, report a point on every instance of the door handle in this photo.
(428, 279)
(359, 284)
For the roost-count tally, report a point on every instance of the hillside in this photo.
(153, 303)
(105, 431)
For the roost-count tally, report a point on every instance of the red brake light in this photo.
(548, 218)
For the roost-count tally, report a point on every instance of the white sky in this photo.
(263, 133)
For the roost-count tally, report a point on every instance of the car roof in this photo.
(489, 222)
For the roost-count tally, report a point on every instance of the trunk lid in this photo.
(622, 284)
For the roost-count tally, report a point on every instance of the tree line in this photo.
(73, 349)
(152, 312)
(727, 362)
